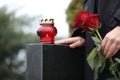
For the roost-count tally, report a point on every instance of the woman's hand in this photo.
(73, 42)
(111, 42)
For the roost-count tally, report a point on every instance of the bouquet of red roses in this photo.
(96, 60)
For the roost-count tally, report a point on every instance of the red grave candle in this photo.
(47, 31)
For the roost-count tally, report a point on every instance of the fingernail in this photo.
(71, 46)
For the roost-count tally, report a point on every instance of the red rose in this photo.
(86, 21)
(80, 19)
(92, 21)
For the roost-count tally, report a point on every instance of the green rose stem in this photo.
(110, 59)
(97, 31)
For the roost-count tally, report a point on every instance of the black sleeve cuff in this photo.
(78, 32)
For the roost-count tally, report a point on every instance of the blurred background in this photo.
(19, 21)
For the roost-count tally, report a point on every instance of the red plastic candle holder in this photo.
(47, 31)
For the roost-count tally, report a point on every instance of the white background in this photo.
(55, 9)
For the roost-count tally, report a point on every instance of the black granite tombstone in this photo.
(54, 62)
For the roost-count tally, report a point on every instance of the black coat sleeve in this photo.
(78, 32)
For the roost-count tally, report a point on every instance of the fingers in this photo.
(110, 45)
(112, 50)
(103, 44)
(77, 43)
(73, 42)
(107, 45)
(66, 41)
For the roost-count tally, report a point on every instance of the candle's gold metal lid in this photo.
(47, 21)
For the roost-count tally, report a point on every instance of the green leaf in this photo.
(96, 72)
(118, 60)
(97, 43)
(96, 39)
(102, 68)
(100, 65)
(113, 68)
(91, 58)
(96, 62)
(98, 46)
(102, 58)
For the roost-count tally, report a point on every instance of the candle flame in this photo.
(46, 35)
